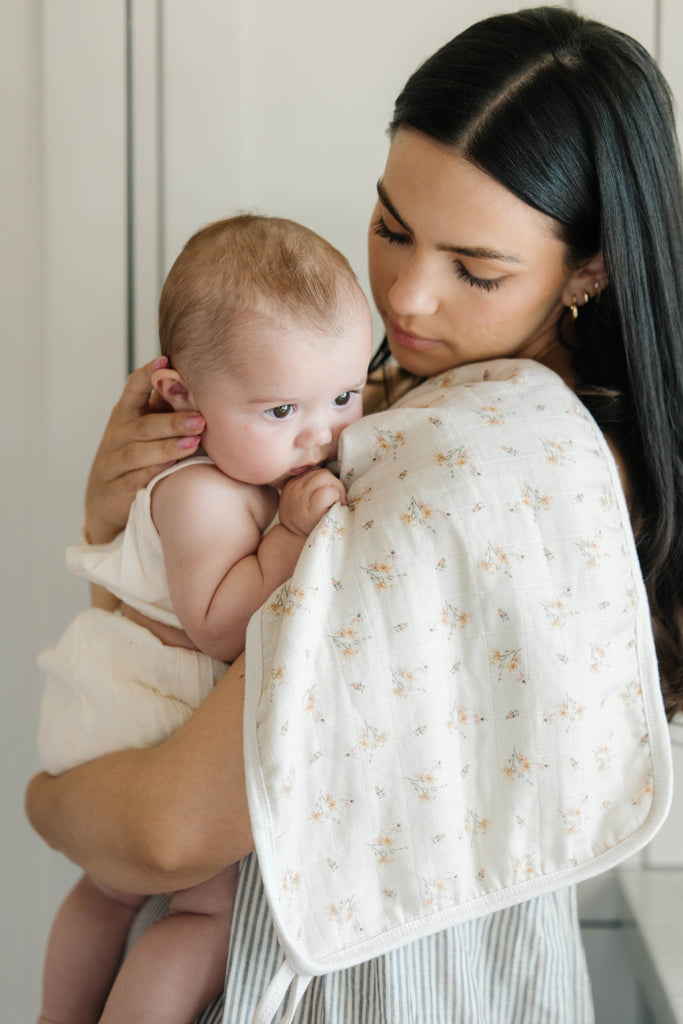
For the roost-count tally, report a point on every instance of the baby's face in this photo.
(283, 412)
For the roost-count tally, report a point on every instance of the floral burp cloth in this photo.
(453, 705)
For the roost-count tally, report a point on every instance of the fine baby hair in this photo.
(243, 269)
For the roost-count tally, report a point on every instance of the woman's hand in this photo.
(140, 439)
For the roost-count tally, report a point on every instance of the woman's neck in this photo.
(552, 353)
(390, 382)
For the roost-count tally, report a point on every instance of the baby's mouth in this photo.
(303, 469)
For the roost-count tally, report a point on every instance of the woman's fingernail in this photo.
(188, 442)
(194, 422)
(159, 363)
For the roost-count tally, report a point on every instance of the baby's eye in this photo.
(281, 412)
(344, 398)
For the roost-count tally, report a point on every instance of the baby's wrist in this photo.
(294, 528)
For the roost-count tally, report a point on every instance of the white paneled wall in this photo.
(234, 104)
(21, 341)
(636, 18)
(62, 325)
(670, 50)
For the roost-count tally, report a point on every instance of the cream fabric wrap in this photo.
(132, 566)
(453, 705)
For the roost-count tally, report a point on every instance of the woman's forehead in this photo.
(432, 189)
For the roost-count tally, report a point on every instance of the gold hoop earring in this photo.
(574, 308)
(586, 298)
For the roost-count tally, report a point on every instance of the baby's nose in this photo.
(315, 434)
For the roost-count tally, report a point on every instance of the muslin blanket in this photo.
(453, 705)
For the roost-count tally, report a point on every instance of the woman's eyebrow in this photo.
(478, 252)
(474, 252)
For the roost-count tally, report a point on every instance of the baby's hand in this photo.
(305, 499)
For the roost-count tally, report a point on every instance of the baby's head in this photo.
(268, 335)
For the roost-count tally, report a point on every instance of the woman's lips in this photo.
(411, 341)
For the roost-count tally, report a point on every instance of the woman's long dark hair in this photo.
(576, 120)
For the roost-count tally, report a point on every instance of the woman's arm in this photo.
(159, 819)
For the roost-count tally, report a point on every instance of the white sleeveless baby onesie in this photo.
(110, 683)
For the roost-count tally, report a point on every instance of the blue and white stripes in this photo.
(522, 965)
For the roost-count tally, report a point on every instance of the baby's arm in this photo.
(303, 502)
(219, 568)
(210, 528)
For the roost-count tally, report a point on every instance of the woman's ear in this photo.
(586, 283)
(173, 389)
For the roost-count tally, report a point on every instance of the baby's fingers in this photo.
(323, 497)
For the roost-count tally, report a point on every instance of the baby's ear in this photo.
(173, 389)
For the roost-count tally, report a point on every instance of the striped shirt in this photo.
(522, 965)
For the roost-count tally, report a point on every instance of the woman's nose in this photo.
(413, 293)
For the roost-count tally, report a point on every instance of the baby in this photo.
(268, 334)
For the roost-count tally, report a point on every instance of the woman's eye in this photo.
(379, 228)
(343, 399)
(280, 412)
(488, 284)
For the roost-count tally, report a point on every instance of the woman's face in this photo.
(461, 269)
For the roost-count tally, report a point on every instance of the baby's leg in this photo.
(84, 951)
(178, 966)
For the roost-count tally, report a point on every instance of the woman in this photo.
(530, 208)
